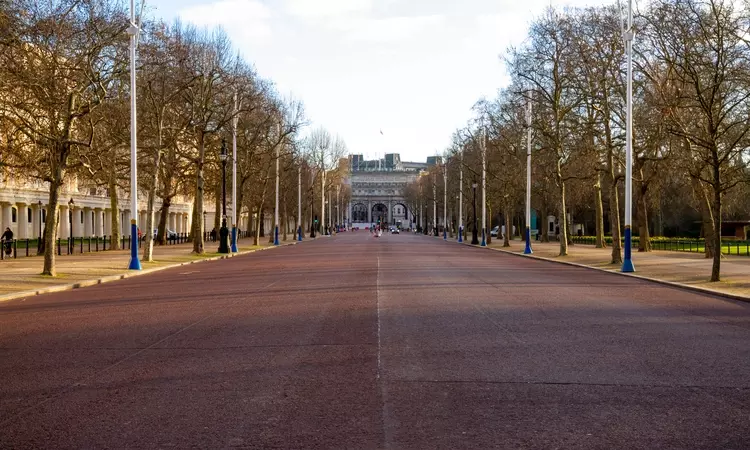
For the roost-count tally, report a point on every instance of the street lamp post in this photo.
(474, 236)
(299, 203)
(458, 218)
(461, 199)
(445, 202)
(223, 232)
(434, 207)
(484, 187)
(234, 177)
(276, 209)
(528, 250)
(71, 204)
(204, 222)
(627, 263)
(133, 32)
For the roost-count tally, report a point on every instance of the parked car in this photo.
(170, 234)
(495, 231)
(394, 231)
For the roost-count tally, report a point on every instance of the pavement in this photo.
(24, 274)
(398, 342)
(689, 269)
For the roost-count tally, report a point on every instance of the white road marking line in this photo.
(377, 299)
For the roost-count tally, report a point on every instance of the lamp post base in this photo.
(299, 234)
(484, 240)
(527, 250)
(234, 239)
(627, 262)
(276, 235)
(135, 263)
(460, 235)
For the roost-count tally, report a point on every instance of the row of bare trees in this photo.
(64, 113)
(691, 123)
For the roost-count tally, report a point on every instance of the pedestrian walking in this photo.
(7, 240)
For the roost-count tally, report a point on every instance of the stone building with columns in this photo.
(378, 190)
(23, 209)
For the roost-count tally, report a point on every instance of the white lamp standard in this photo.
(133, 30)
(461, 198)
(628, 35)
(484, 187)
(234, 178)
(445, 202)
(276, 209)
(528, 250)
(299, 202)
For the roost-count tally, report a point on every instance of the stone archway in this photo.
(359, 213)
(379, 213)
(400, 214)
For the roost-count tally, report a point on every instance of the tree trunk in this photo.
(562, 215)
(115, 217)
(262, 225)
(161, 232)
(716, 266)
(508, 225)
(600, 242)
(489, 214)
(614, 219)
(644, 238)
(285, 221)
(218, 208)
(148, 251)
(543, 225)
(706, 216)
(258, 223)
(197, 228)
(50, 227)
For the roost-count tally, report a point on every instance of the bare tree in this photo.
(58, 63)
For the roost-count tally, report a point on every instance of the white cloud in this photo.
(247, 19)
(326, 8)
(388, 29)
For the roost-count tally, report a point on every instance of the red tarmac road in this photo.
(356, 342)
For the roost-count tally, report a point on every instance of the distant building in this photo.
(378, 188)
(434, 160)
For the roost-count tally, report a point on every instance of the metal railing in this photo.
(80, 245)
(728, 247)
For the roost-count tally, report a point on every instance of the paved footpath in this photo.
(691, 269)
(399, 342)
(23, 274)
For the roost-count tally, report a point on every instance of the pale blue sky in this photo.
(412, 68)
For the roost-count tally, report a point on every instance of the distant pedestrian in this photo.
(213, 235)
(7, 239)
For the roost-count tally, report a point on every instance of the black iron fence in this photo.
(728, 247)
(18, 248)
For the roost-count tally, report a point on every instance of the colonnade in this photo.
(26, 220)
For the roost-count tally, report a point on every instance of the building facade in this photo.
(84, 211)
(378, 191)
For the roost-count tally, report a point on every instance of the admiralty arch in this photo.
(378, 189)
